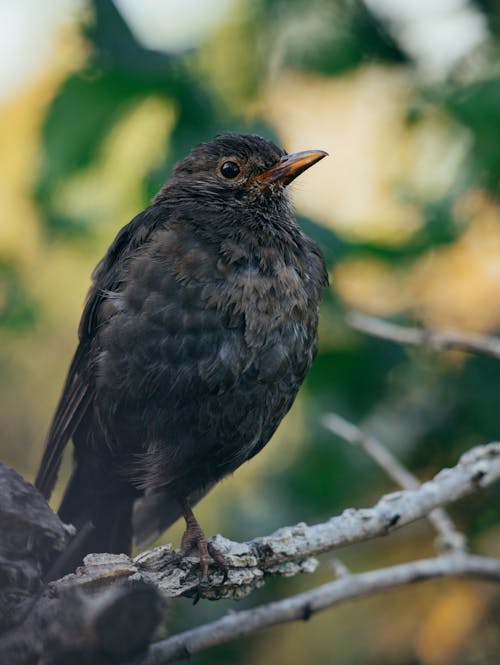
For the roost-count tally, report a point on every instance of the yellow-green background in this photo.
(406, 210)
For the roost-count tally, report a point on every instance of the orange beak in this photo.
(289, 167)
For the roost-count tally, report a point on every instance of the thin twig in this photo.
(449, 537)
(304, 605)
(438, 339)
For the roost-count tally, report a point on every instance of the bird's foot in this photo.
(194, 538)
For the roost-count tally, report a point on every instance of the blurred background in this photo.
(99, 99)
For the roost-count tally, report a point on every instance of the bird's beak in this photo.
(289, 167)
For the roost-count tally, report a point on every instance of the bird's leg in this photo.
(194, 537)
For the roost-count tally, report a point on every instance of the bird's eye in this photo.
(230, 169)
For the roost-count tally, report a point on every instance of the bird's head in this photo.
(236, 170)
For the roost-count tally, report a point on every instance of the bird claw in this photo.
(194, 537)
(220, 560)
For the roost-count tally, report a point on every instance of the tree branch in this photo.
(438, 339)
(449, 537)
(290, 550)
(37, 625)
(74, 626)
(304, 605)
(103, 592)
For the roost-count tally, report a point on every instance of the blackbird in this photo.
(198, 330)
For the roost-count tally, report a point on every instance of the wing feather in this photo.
(78, 391)
(75, 399)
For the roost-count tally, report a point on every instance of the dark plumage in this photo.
(199, 328)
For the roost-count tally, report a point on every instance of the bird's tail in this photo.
(101, 511)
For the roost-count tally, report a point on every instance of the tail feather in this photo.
(101, 511)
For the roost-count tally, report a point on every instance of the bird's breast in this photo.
(254, 286)
(192, 318)
(262, 303)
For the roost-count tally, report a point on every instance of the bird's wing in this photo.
(75, 399)
(78, 391)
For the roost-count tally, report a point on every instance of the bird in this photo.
(199, 327)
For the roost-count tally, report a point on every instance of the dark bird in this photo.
(199, 328)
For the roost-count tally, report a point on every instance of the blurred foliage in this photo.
(17, 309)
(476, 106)
(109, 135)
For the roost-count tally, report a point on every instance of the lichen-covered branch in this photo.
(304, 605)
(90, 611)
(292, 549)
